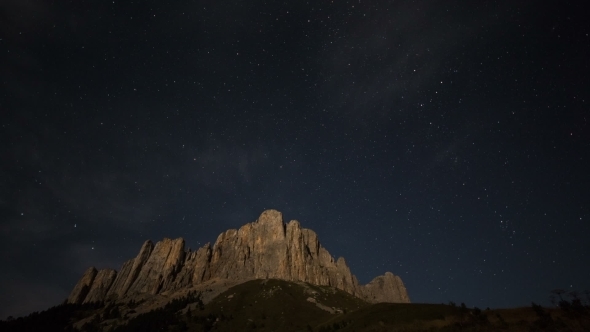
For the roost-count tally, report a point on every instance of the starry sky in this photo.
(445, 141)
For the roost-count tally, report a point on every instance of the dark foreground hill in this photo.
(279, 305)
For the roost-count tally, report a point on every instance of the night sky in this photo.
(445, 141)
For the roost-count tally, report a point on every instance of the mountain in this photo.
(266, 276)
(264, 249)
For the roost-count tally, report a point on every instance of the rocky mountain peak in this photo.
(265, 248)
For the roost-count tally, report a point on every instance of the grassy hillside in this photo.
(381, 315)
(277, 305)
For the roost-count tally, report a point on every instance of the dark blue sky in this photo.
(447, 142)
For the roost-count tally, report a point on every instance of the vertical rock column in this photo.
(82, 288)
(100, 286)
(130, 271)
(160, 269)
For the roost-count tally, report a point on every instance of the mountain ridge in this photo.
(263, 249)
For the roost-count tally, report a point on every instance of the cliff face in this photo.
(386, 288)
(266, 248)
(100, 285)
(81, 289)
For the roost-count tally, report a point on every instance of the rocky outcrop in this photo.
(81, 289)
(192, 270)
(266, 248)
(160, 268)
(130, 271)
(386, 288)
(100, 285)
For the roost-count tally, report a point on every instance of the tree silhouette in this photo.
(544, 318)
(553, 300)
(559, 292)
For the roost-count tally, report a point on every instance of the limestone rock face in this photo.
(81, 289)
(130, 271)
(192, 270)
(257, 250)
(160, 268)
(386, 288)
(116, 289)
(265, 248)
(100, 285)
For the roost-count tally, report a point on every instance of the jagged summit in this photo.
(265, 248)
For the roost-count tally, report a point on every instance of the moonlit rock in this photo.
(265, 248)
(81, 289)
